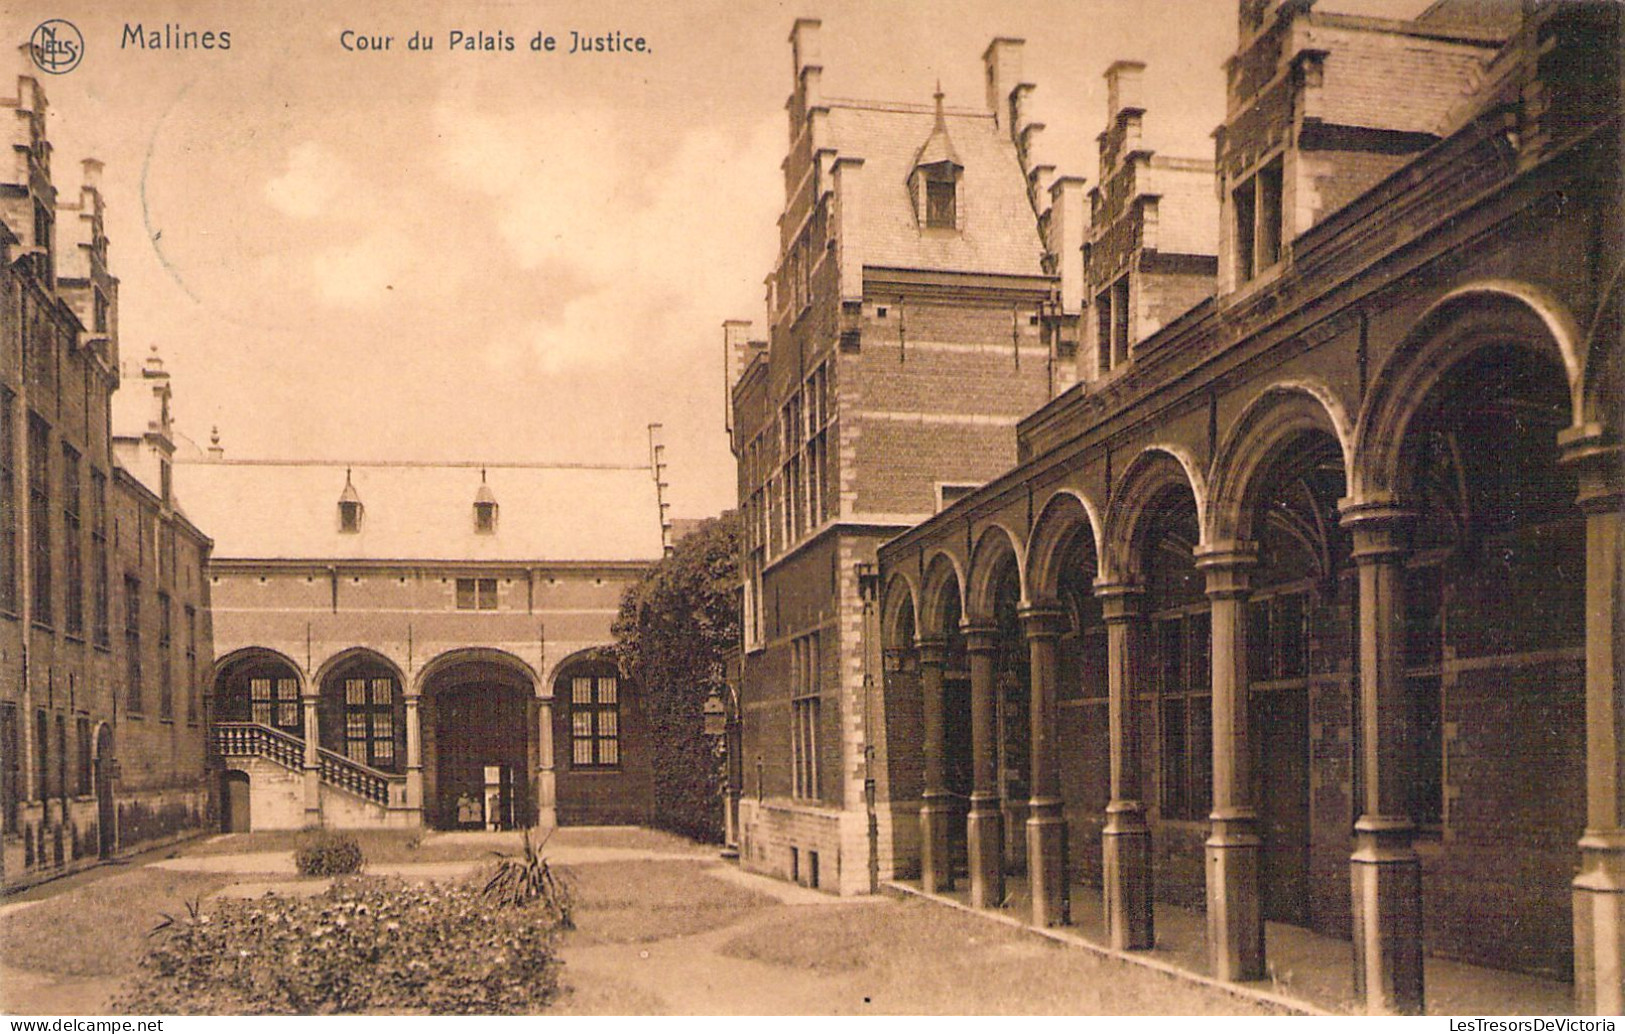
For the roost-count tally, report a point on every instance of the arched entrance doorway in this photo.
(106, 808)
(478, 735)
(234, 802)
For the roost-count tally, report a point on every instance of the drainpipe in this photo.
(868, 589)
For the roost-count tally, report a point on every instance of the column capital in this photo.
(1228, 566)
(1595, 455)
(1042, 620)
(980, 637)
(1120, 601)
(932, 649)
(1380, 527)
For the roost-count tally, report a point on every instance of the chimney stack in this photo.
(1002, 64)
(1123, 89)
(92, 176)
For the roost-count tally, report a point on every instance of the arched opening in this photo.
(260, 687)
(1012, 676)
(361, 714)
(235, 812)
(1494, 658)
(1299, 622)
(590, 736)
(1083, 728)
(478, 745)
(1173, 701)
(106, 802)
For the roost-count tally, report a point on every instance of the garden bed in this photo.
(366, 945)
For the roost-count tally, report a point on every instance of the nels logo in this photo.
(56, 46)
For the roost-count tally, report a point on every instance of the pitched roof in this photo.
(272, 510)
(999, 232)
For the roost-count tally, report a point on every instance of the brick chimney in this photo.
(1123, 89)
(1002, 63)
(808, 61)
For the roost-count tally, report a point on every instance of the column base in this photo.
(985, 832)
(313, 798)
(1599, 925)
(1125, 846)
(936, 864)
(1386, 883)
(1046, 863)
(1235, 923)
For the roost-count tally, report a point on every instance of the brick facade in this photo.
(105, 635)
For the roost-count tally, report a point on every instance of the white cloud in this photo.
(313, 179)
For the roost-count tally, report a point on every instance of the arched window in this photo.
(363, 714)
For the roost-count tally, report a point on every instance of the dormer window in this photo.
(934, 181)
(349, 508)
(485, 509)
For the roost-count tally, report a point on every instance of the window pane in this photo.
(609, 752)
(581, 723)
(259, 689)
(606, 689)
(583, 752)
(581, 690)
(355, 726)
(607, 725)
(465, 594)
(262, 713)
(383, 691)
(287, 689)
(287, 714)
(355, 692)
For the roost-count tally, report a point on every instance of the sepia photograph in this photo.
(811, 508)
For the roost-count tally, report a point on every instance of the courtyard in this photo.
(663, 926)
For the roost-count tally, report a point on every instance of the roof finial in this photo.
(939, 96)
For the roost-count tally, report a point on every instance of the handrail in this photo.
(252, 739)
(348, 774)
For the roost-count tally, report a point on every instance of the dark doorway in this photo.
(483, 717)
(106, 809)
(234, 806)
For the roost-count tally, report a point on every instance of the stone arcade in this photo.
(1296, 595)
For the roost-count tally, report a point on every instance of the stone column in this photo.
(414, 755)
(936, 806)
(1599, 889)
(985, 826)
(1126, 839)
(313, 763)
(1235, 923)
(1046, 822)
(547, 814)
(1385, 873)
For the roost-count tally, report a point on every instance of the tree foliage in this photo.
(673, 628)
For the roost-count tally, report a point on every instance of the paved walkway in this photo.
(1309, 970)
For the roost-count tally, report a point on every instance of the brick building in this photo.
(910, 330)
(104, 608)
(404, 644)
(1303, 602)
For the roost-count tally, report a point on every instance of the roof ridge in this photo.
(194, 461)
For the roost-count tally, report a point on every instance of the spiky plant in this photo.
(527, 878)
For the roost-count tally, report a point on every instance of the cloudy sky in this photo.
(512, 255)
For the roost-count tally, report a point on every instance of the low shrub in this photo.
(330, 854)
(366, 945)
